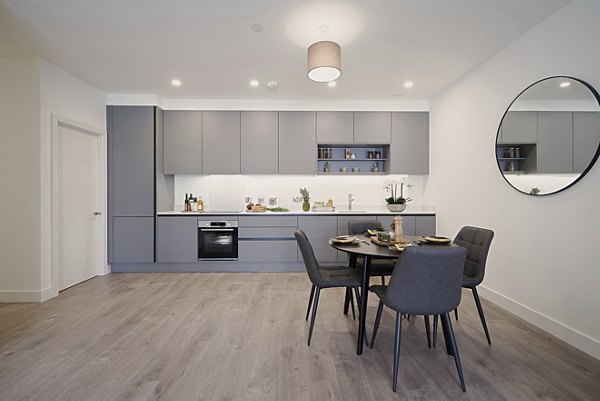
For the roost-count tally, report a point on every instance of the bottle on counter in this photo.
(200, 205)
(194, 204)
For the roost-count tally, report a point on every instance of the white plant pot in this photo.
(396, 208)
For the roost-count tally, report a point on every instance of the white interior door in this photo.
(79, 208)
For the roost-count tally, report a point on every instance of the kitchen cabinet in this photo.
(267, 239)
(260, 143)
(133, 240)
(372, 127)
(176, 239)
(342, 229)
(335, 127)
(297, 142)
(136, 183)
(409, 150)
(183, 142)
(555, 142)
(331, 159)
(408, 223)
(519, 127)
(319, 229)
(586, 135)
(424, 225)
(221, 142)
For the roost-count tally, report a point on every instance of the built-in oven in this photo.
(217, 240)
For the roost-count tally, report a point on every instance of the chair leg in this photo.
(435, 329)
(377, 320)
(312, 294)
(481, 317)
(346, 302)
(427, 330)
(447, 325)
(396, 350)
(314, 314)
(456, 313)
(382, 280)
(359, 312)
(352, 302)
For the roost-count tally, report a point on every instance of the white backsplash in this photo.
(227, 192)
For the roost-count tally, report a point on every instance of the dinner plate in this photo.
(345, 240)
(436, 239)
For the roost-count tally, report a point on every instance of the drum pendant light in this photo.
(324, 61)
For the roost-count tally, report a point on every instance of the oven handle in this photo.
(217, 229)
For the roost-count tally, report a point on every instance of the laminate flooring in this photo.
(242, 336)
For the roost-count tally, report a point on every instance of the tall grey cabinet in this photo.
(297, 142)
(133, 134)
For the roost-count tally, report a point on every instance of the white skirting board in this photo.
(27, 296)
(565, 333)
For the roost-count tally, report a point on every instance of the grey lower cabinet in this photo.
(183, 142)
(133, 240)
(319, 229)
(260, 142)
(409, 150)
(408, 223)
(221, 142)
(425, 225)
(586, 138)
(555, 142)
(335, 127)
(177, 239)
(267, 239)
(297, 142)
(372, 127)
(343, 229)
(519, 127)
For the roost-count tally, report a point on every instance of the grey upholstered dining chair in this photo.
(339, 277)
(477, 242)
(426, 281)
(379, 267)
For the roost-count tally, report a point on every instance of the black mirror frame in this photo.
(590, 165)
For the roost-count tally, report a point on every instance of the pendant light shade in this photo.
(324, 61)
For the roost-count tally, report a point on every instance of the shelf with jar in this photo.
(517, 159)
(352, 159)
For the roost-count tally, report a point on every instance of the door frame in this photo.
(56, 197)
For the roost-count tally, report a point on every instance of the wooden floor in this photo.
(239, 336)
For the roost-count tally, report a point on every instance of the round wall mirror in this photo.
(549, 136)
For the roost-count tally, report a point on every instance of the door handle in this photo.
(97, 213)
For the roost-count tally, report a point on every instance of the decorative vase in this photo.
(306, 206)
(396, 207)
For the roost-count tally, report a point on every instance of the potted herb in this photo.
(396, 202)
(305, 199)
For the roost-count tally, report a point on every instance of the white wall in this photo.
(20, 178)
(32, 89)
(227, 192)
(544, 262)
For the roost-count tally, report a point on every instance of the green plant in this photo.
(534, 191)
(305, 194)
(391, 186)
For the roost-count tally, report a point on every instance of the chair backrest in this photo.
(356, 227)
(477, 241)
(310, 261)
(427, 280)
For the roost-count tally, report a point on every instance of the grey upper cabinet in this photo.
(409, 151)
(520, 127)
(260, 142)
(177, 239)
(335, 127)
(165, 184)
(372, 127)
(183, 142)
(297, 142)
(131, 164)
(221, 142)
(586, 136)
(555, 142)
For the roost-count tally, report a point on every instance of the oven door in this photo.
(217, 243)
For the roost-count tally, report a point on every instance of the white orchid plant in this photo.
(391, 186)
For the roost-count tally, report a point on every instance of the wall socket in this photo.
(248, 199)
(296, 199)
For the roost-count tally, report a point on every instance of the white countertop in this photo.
(357, 210)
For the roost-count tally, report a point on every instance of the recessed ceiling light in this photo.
(257, 28)
(408, 84)
(176, 82)
(564, 84)
(254, 83)
(331, 84)
(272, 84)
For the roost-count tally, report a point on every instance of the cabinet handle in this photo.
(97, 213)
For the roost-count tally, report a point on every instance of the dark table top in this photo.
(368, 248)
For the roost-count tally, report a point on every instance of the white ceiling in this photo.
(138, 46)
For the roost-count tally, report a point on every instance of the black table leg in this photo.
(362, 315)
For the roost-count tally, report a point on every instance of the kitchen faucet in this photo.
(350, 199)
